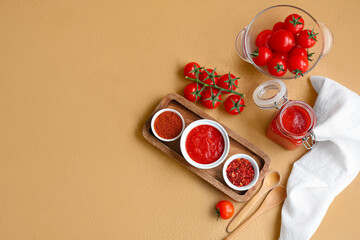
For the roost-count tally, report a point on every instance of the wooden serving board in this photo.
(214, 176)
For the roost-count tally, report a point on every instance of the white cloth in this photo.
(322, 173)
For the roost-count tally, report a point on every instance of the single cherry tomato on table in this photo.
(262, 39)
(298, 65)
(209, 76)
(224, 209)
(191, 70)
(282, 41)
(228, 81)
(192, 92)
(278, 26)
(306, 38)
(294, 23)
(277, 67)
(262, 56)
(279, 55)
(234, 104)
(211, 98)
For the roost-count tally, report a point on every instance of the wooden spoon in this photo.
(271, 180)
(274, 198)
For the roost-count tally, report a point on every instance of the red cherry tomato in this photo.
(298, 51)
(224, 209)
(190, 69)
(262, 56)
(278, 26)
(210, 98)
(208, 75)
(228, 81)
(306, 38)
(282, 41)
(234, 104)
(277, 67)
(298, 65)
(294, 23)
(279, 55)
(262, 39)
(192, 92)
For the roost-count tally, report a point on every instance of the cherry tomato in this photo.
(262, 56)
(191, 69)
(278, 26)
(210, 98)
(224, 209)
(228, 81)
(277, 67)
(234, 104)
(282, 41)
(298, 65)
(283, 56)
(298, 51)
(262, 39)
(208, 75)
(294, 23)
(306, 38)
(192, 92)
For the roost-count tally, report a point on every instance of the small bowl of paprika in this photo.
(167, 124)
(241, 172)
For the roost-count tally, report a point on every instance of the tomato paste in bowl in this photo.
(204, 144)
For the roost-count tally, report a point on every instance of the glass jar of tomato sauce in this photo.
(292, 125)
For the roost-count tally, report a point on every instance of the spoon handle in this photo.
(243, 225)
(245, 210)
(273, 199)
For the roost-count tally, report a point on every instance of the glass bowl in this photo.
(245, 41)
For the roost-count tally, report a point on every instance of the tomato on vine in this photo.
(192, 70)
(209, 76)
(234, 104)
(211, 98)
(228, 81)
(294, 23)
(224, 209)
(192, 92)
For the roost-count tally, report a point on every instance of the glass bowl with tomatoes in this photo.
(284, 41)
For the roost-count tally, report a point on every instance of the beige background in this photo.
(78, 79)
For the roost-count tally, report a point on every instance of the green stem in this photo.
(215, 86)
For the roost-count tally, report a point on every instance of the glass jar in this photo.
(292, 125)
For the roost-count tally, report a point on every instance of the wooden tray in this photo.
(214, 176)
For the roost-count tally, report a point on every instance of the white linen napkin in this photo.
(322, 173)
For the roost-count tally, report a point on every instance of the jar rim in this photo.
(307, 108)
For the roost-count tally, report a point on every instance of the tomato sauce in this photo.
(296, 120)
(205, 144)
(291, 124)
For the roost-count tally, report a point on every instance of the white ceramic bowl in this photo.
(160, 112)
(213, 124)
(253, 163)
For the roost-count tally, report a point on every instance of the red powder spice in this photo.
(168, 125)
(240, 172)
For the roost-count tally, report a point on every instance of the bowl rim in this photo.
(153, 122)
(291, 6)
(253, 163)
(213, 124)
